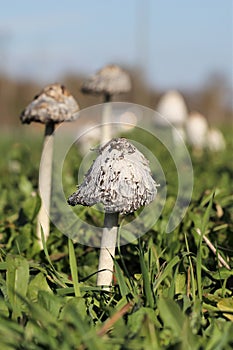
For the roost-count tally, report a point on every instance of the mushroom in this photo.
(173, 107)
(110, 80)
(120, 179)
(54, 104)
(196, 132)
(215, 140)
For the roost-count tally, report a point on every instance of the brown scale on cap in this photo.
(119, 178)
(54, 104)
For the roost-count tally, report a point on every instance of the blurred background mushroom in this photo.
(215, 140)
(54, 104)
(108, 81)
(88, 137)
(119, 179)
(172, 108)
(196, 132)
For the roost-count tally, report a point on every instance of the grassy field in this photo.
(170, 290)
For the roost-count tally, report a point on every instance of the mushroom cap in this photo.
(173, 107)
(119, 178)
(215, 140)
(54, 103)
(196, 130)
(109, 80)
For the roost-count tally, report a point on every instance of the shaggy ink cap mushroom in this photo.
(197, 130)
(172, 106)
(109, 81)
(54, 104)
(119, 178)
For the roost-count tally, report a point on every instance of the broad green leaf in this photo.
(136, 319)
(3, 266)
(188, 340)
(226, 304)
(3, 308)
(17, 277)
(11, 334)
(38, 283)
(219, 335)
(24, 239)
(50, 302)
(31, 207)
(144, 325)
(171, 315)
(222, 274)
(74, 312)
(180, 283)
(25, 186)
(46, 337)
(76, 303)
(175, 320)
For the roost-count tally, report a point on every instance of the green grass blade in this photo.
(147, 285)
(167, 271)
(57, 277)
(206, 216)
(124, 290)
(203, 228)
(73, 268)
(198, 271)
(45, 248)
(191, 268)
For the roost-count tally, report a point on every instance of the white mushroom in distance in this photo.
(215, 140)
(196, 132)
(54, 104)
(172, 106)
(109, 81)
(120, 179)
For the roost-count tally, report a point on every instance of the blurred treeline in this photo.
(213, 99)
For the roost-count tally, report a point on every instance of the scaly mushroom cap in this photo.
(172, 106)
(53, 104)
(119, 178)
(109, 80)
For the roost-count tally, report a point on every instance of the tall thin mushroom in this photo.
(120, 179)
(54, 104)
(109, 81)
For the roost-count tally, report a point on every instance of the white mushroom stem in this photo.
(107, 250)
(45, 182)
(106, 120)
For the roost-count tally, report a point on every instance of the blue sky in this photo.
(175, 43)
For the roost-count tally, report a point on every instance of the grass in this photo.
(170, 290)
